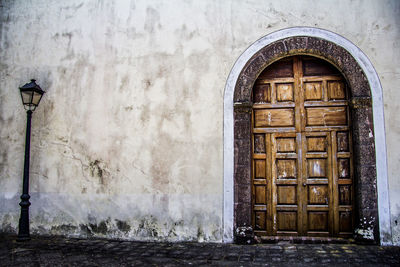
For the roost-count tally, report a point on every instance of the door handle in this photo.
(304, 184)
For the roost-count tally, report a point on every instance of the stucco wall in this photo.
(128, 140)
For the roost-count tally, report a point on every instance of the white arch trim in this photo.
(378, 116)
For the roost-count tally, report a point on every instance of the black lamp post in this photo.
(31, 93)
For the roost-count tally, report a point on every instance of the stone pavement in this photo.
(58, 251)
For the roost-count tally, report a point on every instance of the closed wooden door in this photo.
(302, 174)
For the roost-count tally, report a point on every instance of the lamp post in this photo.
(31, 94)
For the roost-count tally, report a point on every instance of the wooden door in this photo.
(302, 174)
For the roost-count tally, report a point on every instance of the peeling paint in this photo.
(47, 218)
(396, 225)
(365, 229)
(123, 226)
(365, 233)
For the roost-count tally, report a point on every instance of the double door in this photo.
(302, 178)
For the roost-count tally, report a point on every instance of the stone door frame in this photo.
(372, 195)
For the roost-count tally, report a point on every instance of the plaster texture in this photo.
(128, 140)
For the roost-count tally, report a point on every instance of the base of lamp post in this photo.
(23, 227)
(23, 239)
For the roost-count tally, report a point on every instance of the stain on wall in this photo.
(128, 139)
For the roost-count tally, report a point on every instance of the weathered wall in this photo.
(128, 140)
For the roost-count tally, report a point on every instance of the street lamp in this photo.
(31, 93)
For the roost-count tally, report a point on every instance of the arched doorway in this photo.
(368, 135)
(302, 171)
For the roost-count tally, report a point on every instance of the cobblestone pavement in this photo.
(57, 251)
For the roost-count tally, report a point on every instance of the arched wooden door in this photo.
(302, 174)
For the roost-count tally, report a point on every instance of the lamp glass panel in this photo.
(26, 97)
(36, 98)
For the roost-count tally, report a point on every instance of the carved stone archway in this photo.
(368, 126)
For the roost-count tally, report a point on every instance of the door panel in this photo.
(318, 222)
(343, 142)
(316, 144)
(302, 171)
(336, 90)
(260, 168)
(285, 186)
(262, 93)
(284, 92)
(316, 167)
(261, 191)
(286, 168)
(287, 195)
(274, 117)
(316, 181)
(287, 222)
(286, 145)
(259, 143)
(326, 116)
(343, 183)
(318, 194)
(313, 91)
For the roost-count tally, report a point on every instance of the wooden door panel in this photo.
(326, 116)
(342, 142)
(261, 189)
(287, 222)
(259, 143)
(259, 168)
(285, 179)
(286, 168)
(302, 172)
(316, 144)
(318, 221)
(285, 145)
(345, 222)
(260, 221)
(274, 117)
(313, 91)
(317, 168)
(260, 194)
(286, 195)
(336, 90)
(284, 92)
(313, 67)
(345, 195)
(343, 168)
(262, 93)
(280, 69)
(343, 183)
(318, 194)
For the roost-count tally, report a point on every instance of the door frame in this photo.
(369, 143)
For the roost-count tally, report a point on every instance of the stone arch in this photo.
(367, 115)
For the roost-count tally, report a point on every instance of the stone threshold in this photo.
(303, 240)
